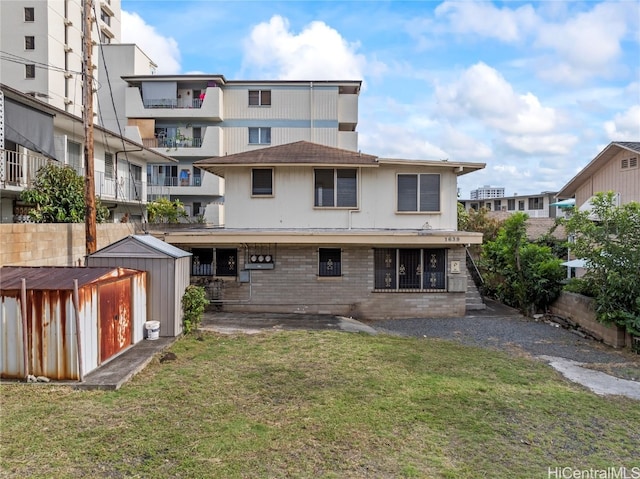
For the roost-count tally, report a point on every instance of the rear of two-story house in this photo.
(318, 229)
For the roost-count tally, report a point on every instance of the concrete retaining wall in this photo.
(580, 310)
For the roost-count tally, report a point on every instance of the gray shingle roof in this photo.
(300, 152)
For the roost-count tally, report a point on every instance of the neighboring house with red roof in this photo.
(616, 168)
(317, 229)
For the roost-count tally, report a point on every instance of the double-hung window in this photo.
(335, 187)
(260, 136)
(410, 270)
(259, 97)
(262, 182)
(329, 262)
(419, 192)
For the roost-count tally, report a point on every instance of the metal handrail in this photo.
(475, 272)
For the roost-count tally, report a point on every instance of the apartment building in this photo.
(487, 192)
(42, 47)
(538, 205)
(193, 117)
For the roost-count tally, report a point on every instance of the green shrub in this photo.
(194, 301)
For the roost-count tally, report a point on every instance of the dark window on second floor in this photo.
(30, 71)
(29, 42)
(261, 182)
(29, 14)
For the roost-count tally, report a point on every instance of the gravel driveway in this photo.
(503, 328)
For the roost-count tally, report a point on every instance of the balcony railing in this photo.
(122, 189)
(175, 181)
(171, 103)
(20, 168)
(172, 142)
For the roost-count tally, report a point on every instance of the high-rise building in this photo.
(487, 192)
(42, 45)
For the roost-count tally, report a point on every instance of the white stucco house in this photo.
(318, 229)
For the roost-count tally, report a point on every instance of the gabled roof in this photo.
(140, 246)
(300, 152)
(611, 150)
(307, 153)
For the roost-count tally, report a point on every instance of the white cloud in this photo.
(590, 40)
(486, 20)
(318, 52)
(483, 93)
(162, 50)
(625, 126)
(560, 144)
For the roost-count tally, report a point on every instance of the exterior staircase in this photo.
(474, 299)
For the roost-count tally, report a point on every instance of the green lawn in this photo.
(319, 404)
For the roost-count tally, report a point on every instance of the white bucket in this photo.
(153, 329)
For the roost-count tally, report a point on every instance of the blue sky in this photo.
(533, 89)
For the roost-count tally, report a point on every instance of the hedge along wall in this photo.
(55, 244)
(580, 310)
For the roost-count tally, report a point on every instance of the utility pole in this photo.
(89, 181)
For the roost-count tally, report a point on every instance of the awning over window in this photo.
(29, 127)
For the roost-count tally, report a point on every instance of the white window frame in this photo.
(264, 135)
(317, 201)
(418, 207)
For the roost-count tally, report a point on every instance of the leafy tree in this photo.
(608, 238)
(57, 196)
(165, 211)
(479, 221)
(518, 272)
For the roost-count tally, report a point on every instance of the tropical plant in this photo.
(194, 302)
(608, 239)
(57, 196)
(518, 272)
(165, 211)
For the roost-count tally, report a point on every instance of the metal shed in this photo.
(64, 322)
(168, 269)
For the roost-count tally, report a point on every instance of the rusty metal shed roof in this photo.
(56, 277)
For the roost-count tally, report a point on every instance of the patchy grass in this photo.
(319, 404)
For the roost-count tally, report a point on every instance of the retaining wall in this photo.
(580, 310)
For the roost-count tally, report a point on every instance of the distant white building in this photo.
(487, 192)
(537, 205)
(42, 47)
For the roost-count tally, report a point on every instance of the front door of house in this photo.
(115, 317)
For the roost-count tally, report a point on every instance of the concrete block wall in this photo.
(294, 287)
(580, 310)
(60, 244)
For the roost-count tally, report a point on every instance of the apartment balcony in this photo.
(19, 170)
(210, 108)
(184, 146)
(348, 110)
(119, 190)
(184, 185)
